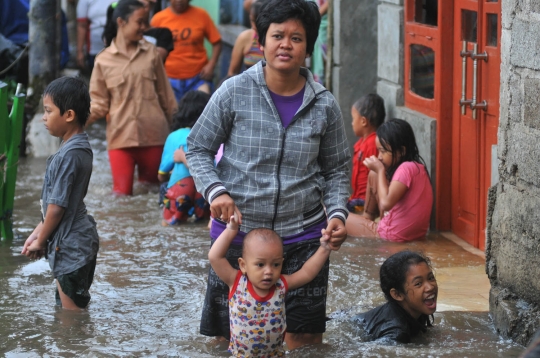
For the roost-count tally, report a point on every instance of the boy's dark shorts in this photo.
(76, 284)
(305, 306)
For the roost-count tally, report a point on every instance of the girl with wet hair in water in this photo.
(410, 287)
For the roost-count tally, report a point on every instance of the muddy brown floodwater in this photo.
(150, 282)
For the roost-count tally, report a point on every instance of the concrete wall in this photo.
(390, 87)
(513, 223)
(354, 68)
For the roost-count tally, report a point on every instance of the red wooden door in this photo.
(477, 34)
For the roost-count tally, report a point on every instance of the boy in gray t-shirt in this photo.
(67, 235)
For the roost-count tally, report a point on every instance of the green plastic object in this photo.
(10, 140)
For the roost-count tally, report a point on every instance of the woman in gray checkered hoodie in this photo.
(284, 164)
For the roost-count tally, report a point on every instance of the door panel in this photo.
(474, 131)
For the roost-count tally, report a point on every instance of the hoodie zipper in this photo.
(301, 112)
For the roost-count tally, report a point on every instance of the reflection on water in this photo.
(150, 281)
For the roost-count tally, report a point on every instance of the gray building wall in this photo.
(354, 65)
(390, 73)
(390, 86)
(513, 223)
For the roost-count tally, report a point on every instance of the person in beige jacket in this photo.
(129, 87)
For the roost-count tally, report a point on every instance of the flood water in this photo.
(150, 281)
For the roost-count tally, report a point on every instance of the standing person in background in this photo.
(318, 60)
(284, 165)
(247, 50)
(91, 19)
(66, 235)
(161, 37)
(129, 85)
(187, 66)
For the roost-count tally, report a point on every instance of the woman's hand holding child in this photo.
(223, 207)
(334, 235)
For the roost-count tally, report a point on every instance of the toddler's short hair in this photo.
(70, 93)
(264, 234)
(371, 106)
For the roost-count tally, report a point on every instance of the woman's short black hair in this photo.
(120, 9)
(279, 11)
(190, 108)
(70, 93)
(393, 272)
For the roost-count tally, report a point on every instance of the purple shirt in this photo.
(287, 106)
(310, 233)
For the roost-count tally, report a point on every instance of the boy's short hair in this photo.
(279, 11)
(70, 93)
(264, 234)
(371, 106)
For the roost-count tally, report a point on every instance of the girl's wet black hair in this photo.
(190, 108)
(70, 93)
(396, 136)
(393, 272)
(279, 11)
(122, 9)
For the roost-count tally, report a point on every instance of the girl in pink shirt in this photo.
(399, 189)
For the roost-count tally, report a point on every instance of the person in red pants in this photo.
(130, 88)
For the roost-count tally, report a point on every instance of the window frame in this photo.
(426, 35)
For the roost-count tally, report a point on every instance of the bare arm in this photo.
(163, 53)
(163, 177)
(207, 73)
(52, 219)
(217, 253)
(324, 8)
(247, 5)
(311, 268)
(33, 236)
(237, 56)
(82, 29)
(389, 194)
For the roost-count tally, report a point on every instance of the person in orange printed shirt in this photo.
(187, 66)
(130, 87)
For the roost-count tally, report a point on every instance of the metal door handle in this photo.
(463, 102)
(477, 56)
(482, 105)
